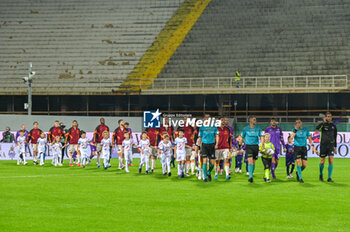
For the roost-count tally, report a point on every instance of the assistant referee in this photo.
(328, 144)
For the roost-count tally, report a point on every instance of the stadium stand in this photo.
(265, 38)
(76, 47)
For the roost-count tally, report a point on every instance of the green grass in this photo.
(50, 198)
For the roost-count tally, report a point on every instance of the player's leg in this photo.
(70, 151)
(330, 167)
(217, 163)
(239, 163)
(226, 156)
(192, 160)
(78, 155)
(163, 162)
(322, 161)
(126, 157)
(168, 160)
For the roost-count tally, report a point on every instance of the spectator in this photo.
(7, 136)
(238, 78)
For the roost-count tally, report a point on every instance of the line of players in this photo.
(182, 145)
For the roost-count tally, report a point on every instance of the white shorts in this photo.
(21, 150)
(222, 154)
(180, 157)
(128, 155)
(188, 151)
(153, 151)
(105, 154)
(41, 149)
(84, 153)
(73, 148)
(35, 147)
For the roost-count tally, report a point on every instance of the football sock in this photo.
(288, 170)
(267, 173)
(227, 168)
(302, 168)
(153, 161)
(273, 167)
(24, 157)
(188, 166)
(211, 167)
(216, 169)
(321, 169)
(192, 167)
(299, 172)
(179, 169)
(291, 171)
(78, 158)
(250, 170)
(205, 170)
(330, 170)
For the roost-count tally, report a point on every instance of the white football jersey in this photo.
(106, 144)
(181, 145)
(144, 145)
(127, 145)
(165, 147)
(83, 143)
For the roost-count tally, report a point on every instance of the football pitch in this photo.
(66, 198)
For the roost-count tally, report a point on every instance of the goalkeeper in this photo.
(267, 149)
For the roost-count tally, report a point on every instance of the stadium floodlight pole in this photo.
(28, 81)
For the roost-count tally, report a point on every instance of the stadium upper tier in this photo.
(265, 38)
(79, 46)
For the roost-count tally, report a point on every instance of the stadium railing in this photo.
(279, 84)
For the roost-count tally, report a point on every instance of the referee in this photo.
(328, 145)
(208, 140)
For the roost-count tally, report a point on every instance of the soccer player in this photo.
(165, 148)
(251, 134)
(84, 143)
(126, 125)
(227, 121)
(72, 137)
(98, 136)
(328, 145)
(56, 150)
(153, 134)
(42, 142)
(300, 135)
(180, 153)
(106, 145)
(222, 150)
(144, 146)
(267, 149)
(171, 132)
(117, 138)
(54, 131)
(290, 159)
(32, 137)
(127, 145)
(276, 139)
(189, 134)
(21, 143)
(207, 139)
(239, 148)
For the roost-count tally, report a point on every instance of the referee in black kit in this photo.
(328, 144)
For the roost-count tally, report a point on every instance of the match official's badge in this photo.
(151, 119)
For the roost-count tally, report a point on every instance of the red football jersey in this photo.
(224, 138)
(152, 134)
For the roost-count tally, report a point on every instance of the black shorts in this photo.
(266, 162)
(208, 150)
(300, 153)
(252, 151)
(326, 150)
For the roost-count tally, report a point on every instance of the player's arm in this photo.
(312, 143)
